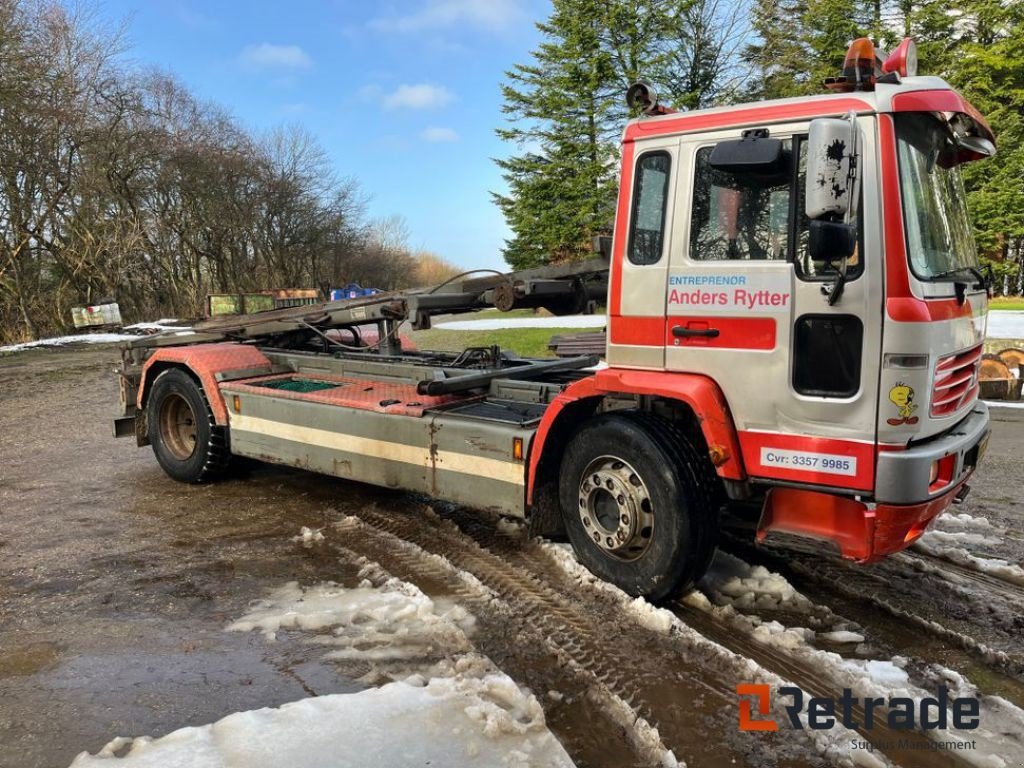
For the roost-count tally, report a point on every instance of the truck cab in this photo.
(847, 351)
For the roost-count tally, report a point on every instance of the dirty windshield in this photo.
(939, 238)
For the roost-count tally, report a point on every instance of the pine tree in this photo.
(562, 188)
(567, 110)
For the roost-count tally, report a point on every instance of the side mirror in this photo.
(831, 168)
(830, 241)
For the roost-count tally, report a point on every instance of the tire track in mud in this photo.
(776, 660)
(637, 672)
(897, 598)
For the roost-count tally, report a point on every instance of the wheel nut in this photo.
(621, 499)
(625, 519)
(597, 537)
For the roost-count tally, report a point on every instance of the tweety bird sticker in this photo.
(902, 397)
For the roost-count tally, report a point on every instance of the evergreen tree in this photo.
(567, 110)
(562, 188)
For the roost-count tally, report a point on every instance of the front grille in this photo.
(956, 381)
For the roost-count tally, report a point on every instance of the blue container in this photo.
(352, 291)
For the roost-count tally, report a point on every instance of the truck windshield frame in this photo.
(936, 223)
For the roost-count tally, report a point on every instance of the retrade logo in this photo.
(824, 712)
(764, 704)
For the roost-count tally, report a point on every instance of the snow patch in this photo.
(841, 636)
(1001, 569)
(395, 621)
(834, 743)
(964, 520)
(460, 710)
(309, 536)
(942, 539)
(464, 720)
(78, 338)
(731, 580)
(498, 323)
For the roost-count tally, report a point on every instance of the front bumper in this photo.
(863, 531)
(904, 476)
(906, 501)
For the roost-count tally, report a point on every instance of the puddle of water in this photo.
(28, 659)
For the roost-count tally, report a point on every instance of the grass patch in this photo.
(526, 342)
(1007, 302)
(994, 346)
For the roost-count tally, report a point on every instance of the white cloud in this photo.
(438, 135)
(436, 14)
(269, 56)
(420, 96)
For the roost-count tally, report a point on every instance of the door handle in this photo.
(679, 332)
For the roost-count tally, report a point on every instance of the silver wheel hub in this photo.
(615, 508)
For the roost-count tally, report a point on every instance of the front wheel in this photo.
(637, 505)
(188, 443)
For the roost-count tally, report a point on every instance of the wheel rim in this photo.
(178, 426)
(615, 508)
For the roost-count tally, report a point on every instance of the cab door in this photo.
(644, 229)
(745, 305)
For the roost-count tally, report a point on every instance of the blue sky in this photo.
(403, 95)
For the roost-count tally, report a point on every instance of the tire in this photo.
(638, 504)
(188, 443)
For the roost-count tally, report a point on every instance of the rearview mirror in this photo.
(831, 168)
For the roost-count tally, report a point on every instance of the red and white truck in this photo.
(795, 319)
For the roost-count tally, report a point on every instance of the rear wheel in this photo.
(188, 443)
(637, 505)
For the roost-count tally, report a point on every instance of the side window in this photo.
(745, 217)
(739, 216)
(650, 194)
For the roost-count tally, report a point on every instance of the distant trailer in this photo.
(218, 304)
(96, 316)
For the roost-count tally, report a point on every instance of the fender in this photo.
(205, 361)
(700, 393)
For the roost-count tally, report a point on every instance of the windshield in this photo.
(939, 238)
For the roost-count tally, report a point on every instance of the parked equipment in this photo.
(795, 320)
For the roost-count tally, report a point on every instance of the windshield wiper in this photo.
(960, 285)
(972, 271)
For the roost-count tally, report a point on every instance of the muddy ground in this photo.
(117, 583)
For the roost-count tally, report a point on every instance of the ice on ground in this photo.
(731, 580)
(78, 338)
(396, 621)
(841, 636)
(459, 711)
(889, 674)
(952, 538)
(834, 743)
(964, 520)
(498, 323)
(1002, 724)
(1001, 569)
(465, 720)
(163, 324)
(1005, 324)
(309, 536)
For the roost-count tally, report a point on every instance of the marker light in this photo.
(902, 61)
(859, 66)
